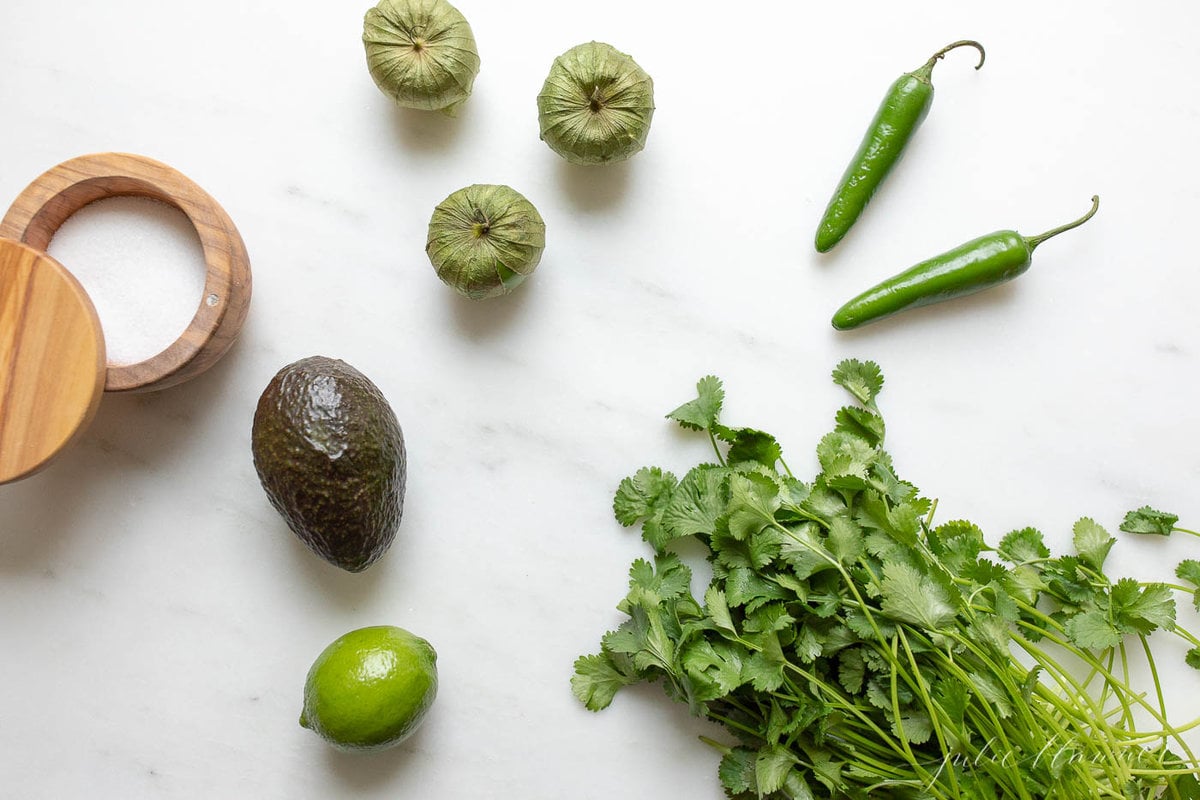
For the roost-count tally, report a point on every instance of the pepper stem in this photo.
(1034, 241)
(940, 54)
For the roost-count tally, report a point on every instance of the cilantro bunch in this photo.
(852, 649)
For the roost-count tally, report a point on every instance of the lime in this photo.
(370, 689)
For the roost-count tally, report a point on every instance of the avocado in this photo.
(330, 454)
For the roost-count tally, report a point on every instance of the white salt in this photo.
(142, 264)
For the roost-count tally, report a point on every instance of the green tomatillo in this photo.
(485, 240)
(421, 53)
(596, 105)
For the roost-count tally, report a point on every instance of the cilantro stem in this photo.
(934, 710)
(1125, 695)
(786, 468)
(733, 724)
(1073, 689)
(1144, 737)
(991, 721)
(1126, 680)
(712, 437)
(1006, 673)
(897, 717)
(1186, 635)
(714, 744)
(929, 516)
(840, 701)
(1085, 656)
(1162, 701)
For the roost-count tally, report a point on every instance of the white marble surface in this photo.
(156, 615)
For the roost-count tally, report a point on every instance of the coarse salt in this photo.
(142, 264)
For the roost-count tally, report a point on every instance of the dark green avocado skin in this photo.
(330, 455)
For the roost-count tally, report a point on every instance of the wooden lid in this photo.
(52, 360)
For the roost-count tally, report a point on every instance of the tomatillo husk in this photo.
(421, 53)
(596, 104)
(485, 240)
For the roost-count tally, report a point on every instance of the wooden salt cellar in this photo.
(52, 357)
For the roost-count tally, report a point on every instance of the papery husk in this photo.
(485, 240)
(421, 53)
(574, 127)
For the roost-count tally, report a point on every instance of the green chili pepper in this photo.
(968, 268)
(901, 112)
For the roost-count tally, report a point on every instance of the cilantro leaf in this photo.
(765, 666)
(771, 767)
(914, 598)
(652, 584)
(827, 772)
(852, 670)
(737, 770)
(845, 539)
(879, 693)
(823, 503)
(750, 445)
(746, 587)
(883, 479)
(1192, 659)
(901, 523)
(915, 726)
(642, 495)
(904, 523)
(991, 631)
(844, 455)
(645, 495)
(770, 617)
(1067, 581)
(753, 501)
(985, 571)
(1003, 606)
(697, 503)
(718, 610)
(702, 413)
(756, 550)
(836, 638)
(863, 379)
(989, 688)
(643, 638)
(1142, 609)
(1189, 570)
(597, 680)
(1091, 630)
(952, 697)
(1023, 546)
(1092, 543)
(1025, 583)
(1030, 684)
(958, 544)
(796, 785)
(808, 645)
(1148, 521)
(716, 666)
(861, 422)
(804, 552)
